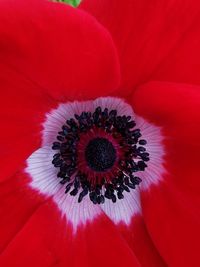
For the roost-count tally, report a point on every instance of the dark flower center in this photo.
(98, 154)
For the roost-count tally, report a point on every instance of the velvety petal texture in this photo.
(48, 51)
(48, 41)
(139, 240)
(171, 210)
(156, 40)
(46, 240)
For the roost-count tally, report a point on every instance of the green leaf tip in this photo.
(70, 2)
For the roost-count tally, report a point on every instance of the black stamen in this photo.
(83, 194)
(74, 192)
(100, 155)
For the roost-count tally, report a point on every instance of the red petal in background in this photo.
(23, 105)
(49, 52)
(61, 48)
(171, 209)
(45, 240)
(156, 40)
(140, 242)
(18, 204)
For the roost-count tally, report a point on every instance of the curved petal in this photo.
(139, 240)
(18, 203)
(46, 240)
(171, 208)
(60, 48)
(22, 111)
(156, 40)
(48, 52)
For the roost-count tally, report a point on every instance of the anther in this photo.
(109, 168)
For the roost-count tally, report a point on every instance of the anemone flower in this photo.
(99, 154)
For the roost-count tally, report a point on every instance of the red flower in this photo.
(88, 178)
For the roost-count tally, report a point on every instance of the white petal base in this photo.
(44, 175)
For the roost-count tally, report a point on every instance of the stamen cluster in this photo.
(108, 183)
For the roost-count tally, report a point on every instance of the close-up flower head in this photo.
(100, 133)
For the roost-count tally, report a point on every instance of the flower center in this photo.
(98, 153)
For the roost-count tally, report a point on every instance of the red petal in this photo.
(47, 50)
(45, 240)
(171, 209)
(155, 39)
(141, 243)
(29, 246)
(18, 203)
(62, 49)
(22, 109)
